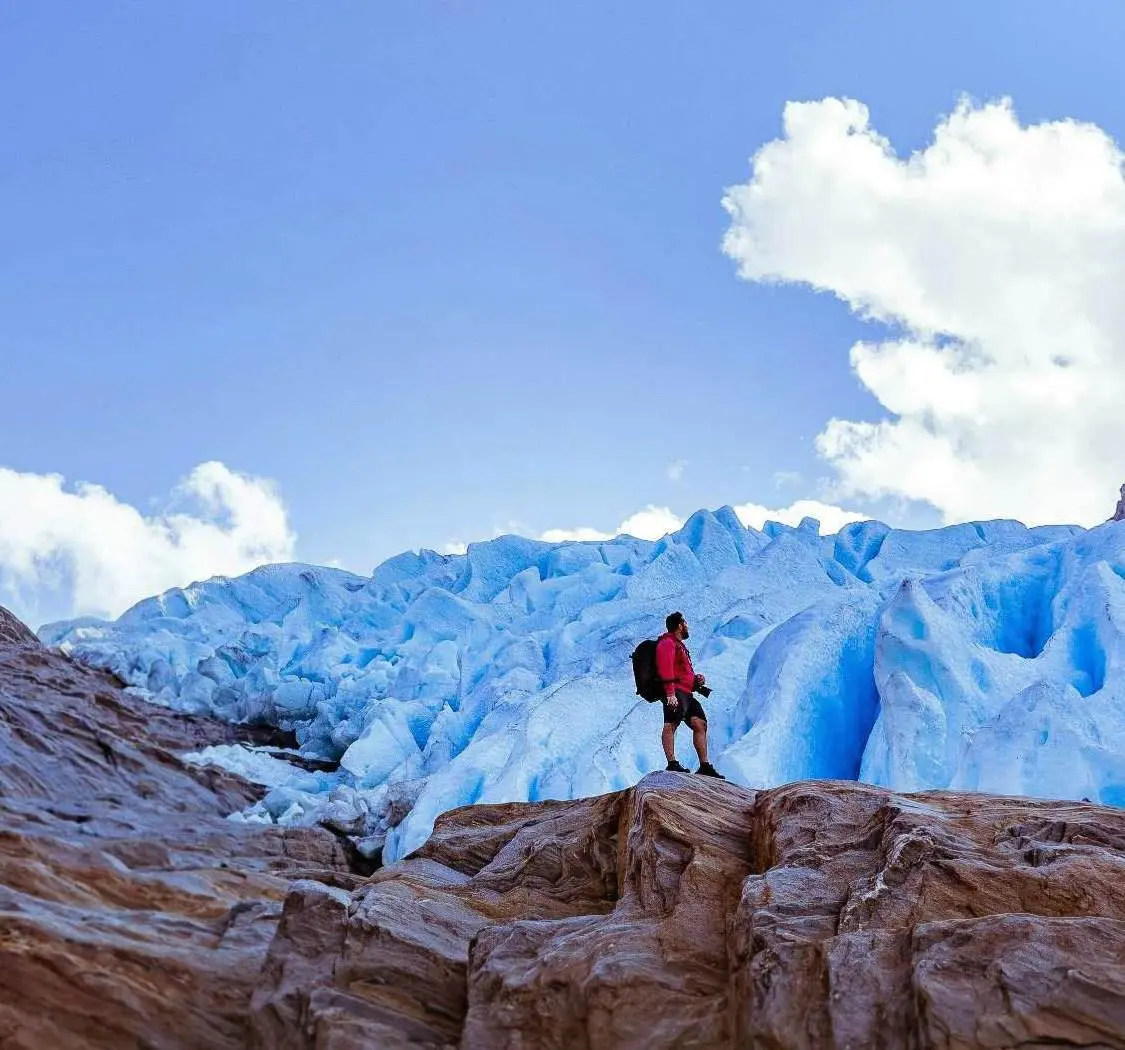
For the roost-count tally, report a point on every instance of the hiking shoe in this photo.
(675, 767)
(708, 770)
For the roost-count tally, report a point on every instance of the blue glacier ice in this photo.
(986, 656)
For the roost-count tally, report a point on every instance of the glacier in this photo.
(985, 656)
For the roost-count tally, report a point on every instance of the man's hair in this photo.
(673, 621)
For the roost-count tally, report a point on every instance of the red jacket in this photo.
(673, 665)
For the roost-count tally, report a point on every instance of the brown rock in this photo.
(689, 913)
(131, 913)
(13, 632)
(1119, 510)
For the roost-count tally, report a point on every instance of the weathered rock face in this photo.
(1119, 510)
(131, 913)
(694, 914)
(679, 913)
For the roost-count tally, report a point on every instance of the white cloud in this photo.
(832, 519)
(104, 555)
(581, 534)
(676, 470)
(653, 523)
(649, 524)
(998, 256)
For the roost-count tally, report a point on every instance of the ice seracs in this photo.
(985, 655)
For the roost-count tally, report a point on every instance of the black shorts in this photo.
(688, 708)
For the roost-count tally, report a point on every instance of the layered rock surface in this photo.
(683, 913)
(131, 913)
(677, 913)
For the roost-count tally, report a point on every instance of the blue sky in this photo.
(439, 269)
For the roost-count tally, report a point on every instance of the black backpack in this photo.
(649, 684)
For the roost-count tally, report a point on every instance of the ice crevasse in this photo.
(985, 656)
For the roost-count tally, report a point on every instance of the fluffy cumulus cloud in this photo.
(996, 258)
(654, 522)
(832, 518)
(648, 524)
(96, 554)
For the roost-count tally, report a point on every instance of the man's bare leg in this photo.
(668, 739)
(699, 739)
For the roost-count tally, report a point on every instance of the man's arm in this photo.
(666, 667)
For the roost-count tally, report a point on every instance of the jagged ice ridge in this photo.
(985, 657)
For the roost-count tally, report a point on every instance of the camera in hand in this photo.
(704, 691)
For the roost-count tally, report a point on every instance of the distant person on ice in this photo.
(673, 665)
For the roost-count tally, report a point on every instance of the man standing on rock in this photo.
(673, 666)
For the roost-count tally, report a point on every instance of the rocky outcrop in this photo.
(680, 913)
(1119, 510)
(131, 913)
(684, 913)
